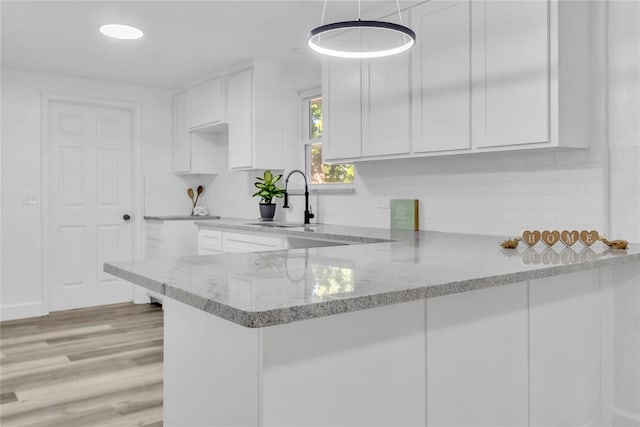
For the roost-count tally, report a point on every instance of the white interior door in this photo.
(90, 192)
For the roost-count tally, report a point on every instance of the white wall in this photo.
(21, 293)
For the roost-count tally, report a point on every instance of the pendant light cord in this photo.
(399, 13)
(324, 9)
(359, 11)
(404, 36)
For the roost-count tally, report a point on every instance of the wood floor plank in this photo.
(99, 366)
(36, 351)
(45, 336)
(32, 365)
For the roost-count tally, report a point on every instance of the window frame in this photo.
(305, 138)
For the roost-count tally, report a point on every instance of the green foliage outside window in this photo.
(322, 173)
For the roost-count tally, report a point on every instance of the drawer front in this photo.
(235, 242)
(210, 240)
(154, 231)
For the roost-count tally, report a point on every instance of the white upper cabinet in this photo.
(342, 101)
(181, 148)
(367, 105)
(441, 76)
(206, 106)
(386, 120)
(511, 72)
(192, 152)
(255, 116)
(240, 113)
(484, 76)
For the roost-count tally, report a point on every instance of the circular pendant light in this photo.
(361, 39)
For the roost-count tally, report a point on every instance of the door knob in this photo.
(126, 217)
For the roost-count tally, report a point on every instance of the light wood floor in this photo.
(99, 366)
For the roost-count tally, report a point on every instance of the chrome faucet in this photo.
(307, 208)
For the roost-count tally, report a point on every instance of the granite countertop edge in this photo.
(278, 316)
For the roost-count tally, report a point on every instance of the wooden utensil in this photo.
(200, 191)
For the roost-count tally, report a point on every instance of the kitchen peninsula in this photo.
(396, 328)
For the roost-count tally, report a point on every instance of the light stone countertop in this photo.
(380, 267)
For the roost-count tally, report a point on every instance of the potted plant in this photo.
(267, 191)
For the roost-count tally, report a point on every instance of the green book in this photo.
(404, 214)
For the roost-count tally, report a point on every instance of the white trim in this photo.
(22, 311)
(304, 141)
(136, 177)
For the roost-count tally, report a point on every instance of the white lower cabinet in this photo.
(166, 239)
(212, 242)
(209, 242)
(170, 239)
(565, 322)
(477, 353)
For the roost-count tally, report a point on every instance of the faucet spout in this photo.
(307, 213)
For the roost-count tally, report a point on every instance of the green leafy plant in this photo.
(267, 187)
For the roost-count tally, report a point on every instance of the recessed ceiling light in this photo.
(118, 31)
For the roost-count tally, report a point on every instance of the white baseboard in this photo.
(626, 415)
(23, 311)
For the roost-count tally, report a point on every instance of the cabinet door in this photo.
(235, 243)
(240, 118)
(386, 117)
(209, 242)
(441, 76)
(181, 147)
(343, 107)
(511, 69)
(205, 103)
(564, 325)
(477, 353)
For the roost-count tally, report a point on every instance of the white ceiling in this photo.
(183, 41)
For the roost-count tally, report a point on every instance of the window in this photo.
(320, 173)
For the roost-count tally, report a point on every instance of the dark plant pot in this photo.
(267, 211)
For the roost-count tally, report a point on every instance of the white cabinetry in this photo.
(211, 242)
(236, 242)
(565, 325)
(206, 106)
(255, 115)
(193, 152)
(342, 99)
(512, 68)
(386, 119)
(477, 353)
(485, 76)
(368, 108)
(441, 76)
(170, 238)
